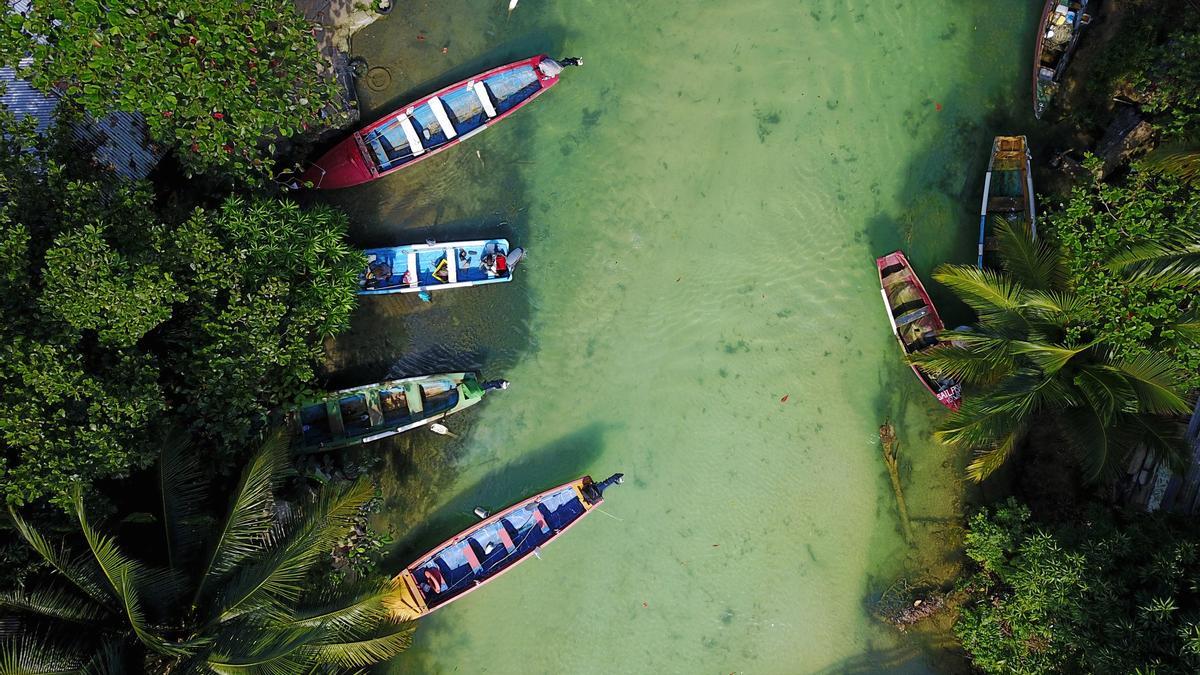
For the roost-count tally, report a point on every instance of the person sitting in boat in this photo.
(377, 272)
(489, 265)
(434, 581)
(442, 271)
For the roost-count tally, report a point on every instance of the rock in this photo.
(1128, 137)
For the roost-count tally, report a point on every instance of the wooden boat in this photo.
(374, 411)
(488, 549)
(430, 267)
(1007, 188)
(431, 124)
(915, 321)
(1058, 33)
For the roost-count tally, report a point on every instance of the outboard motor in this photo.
(495, 384)
(514, 256)
(594, 492)
(552, 67)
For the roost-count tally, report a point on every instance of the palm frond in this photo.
(1032, 263)
(1026, 393)
(984, 291)
(182, 488)
(363, 653)
(31, 654)
(1180, 160)
(1058, 307)
(987, 460)
(979, 423)
(56, 603)
(77, 570)
(1187, 326)
(251, 648)
(251, 513)
(977, 366)
(1155, 379)
(128, 579)
(1098, 445)
(1049, 358)
(348, 609)
(109, 660)
(1165, 438)
(1168, 264)
(1106, 390)
(276, 582)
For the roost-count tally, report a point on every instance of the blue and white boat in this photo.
(435, 266)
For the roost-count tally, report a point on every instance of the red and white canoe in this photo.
(915, 321)
(432, 124)
(488, 549)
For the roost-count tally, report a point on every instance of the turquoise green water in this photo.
(703, 203)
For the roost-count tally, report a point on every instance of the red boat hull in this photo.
(950, 397)
(348, 163)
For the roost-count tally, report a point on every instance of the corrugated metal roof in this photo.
(121, 140)
(23, 100)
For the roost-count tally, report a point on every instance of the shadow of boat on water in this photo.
(557, 462)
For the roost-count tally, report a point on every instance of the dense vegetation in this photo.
(234, 595)
(118, 320)
(1111, 594)
(1106, 229)
(1153, 60)
(1039, 356)
(215, 81)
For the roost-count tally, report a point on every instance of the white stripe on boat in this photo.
(485, 99)
(411, 259)
(887, 306)
(410, 132)
(439, 111)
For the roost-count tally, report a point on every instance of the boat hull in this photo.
(1046, 76)
(1007, 188)
(365, 414)
(413, 595)
(914, 320)
(353, 161)
(432, 267)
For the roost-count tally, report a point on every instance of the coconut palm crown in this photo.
(232, 597)
(1035, 362)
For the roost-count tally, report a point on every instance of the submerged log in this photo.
(887, 436)
(903, 606)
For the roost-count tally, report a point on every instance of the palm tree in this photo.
(1037, 363)
(235, 598)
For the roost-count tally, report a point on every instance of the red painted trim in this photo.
(899, 257)
(364, 156)
(411, 569)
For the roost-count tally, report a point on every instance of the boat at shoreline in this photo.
(1007, 189)
(365, 414)
(433, 123)
(1059, 29)
(915, 321)
(438, 266)
(488, 549)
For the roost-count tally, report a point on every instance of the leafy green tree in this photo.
(267, 283)
(1037, 361)
(1154, 59)
(1132, 251)
(231, 596)
(1107, 595)
(117, 320)
(214, 80)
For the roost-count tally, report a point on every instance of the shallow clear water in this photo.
(703, 203)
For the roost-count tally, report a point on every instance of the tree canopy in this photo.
(215, 81)
(118, 319)
(234, 595)
(1113, 594)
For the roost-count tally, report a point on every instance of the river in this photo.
(702, 202)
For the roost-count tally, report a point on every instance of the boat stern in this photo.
(343, 166)
(405, 602)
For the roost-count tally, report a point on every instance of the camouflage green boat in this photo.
(368, 413)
